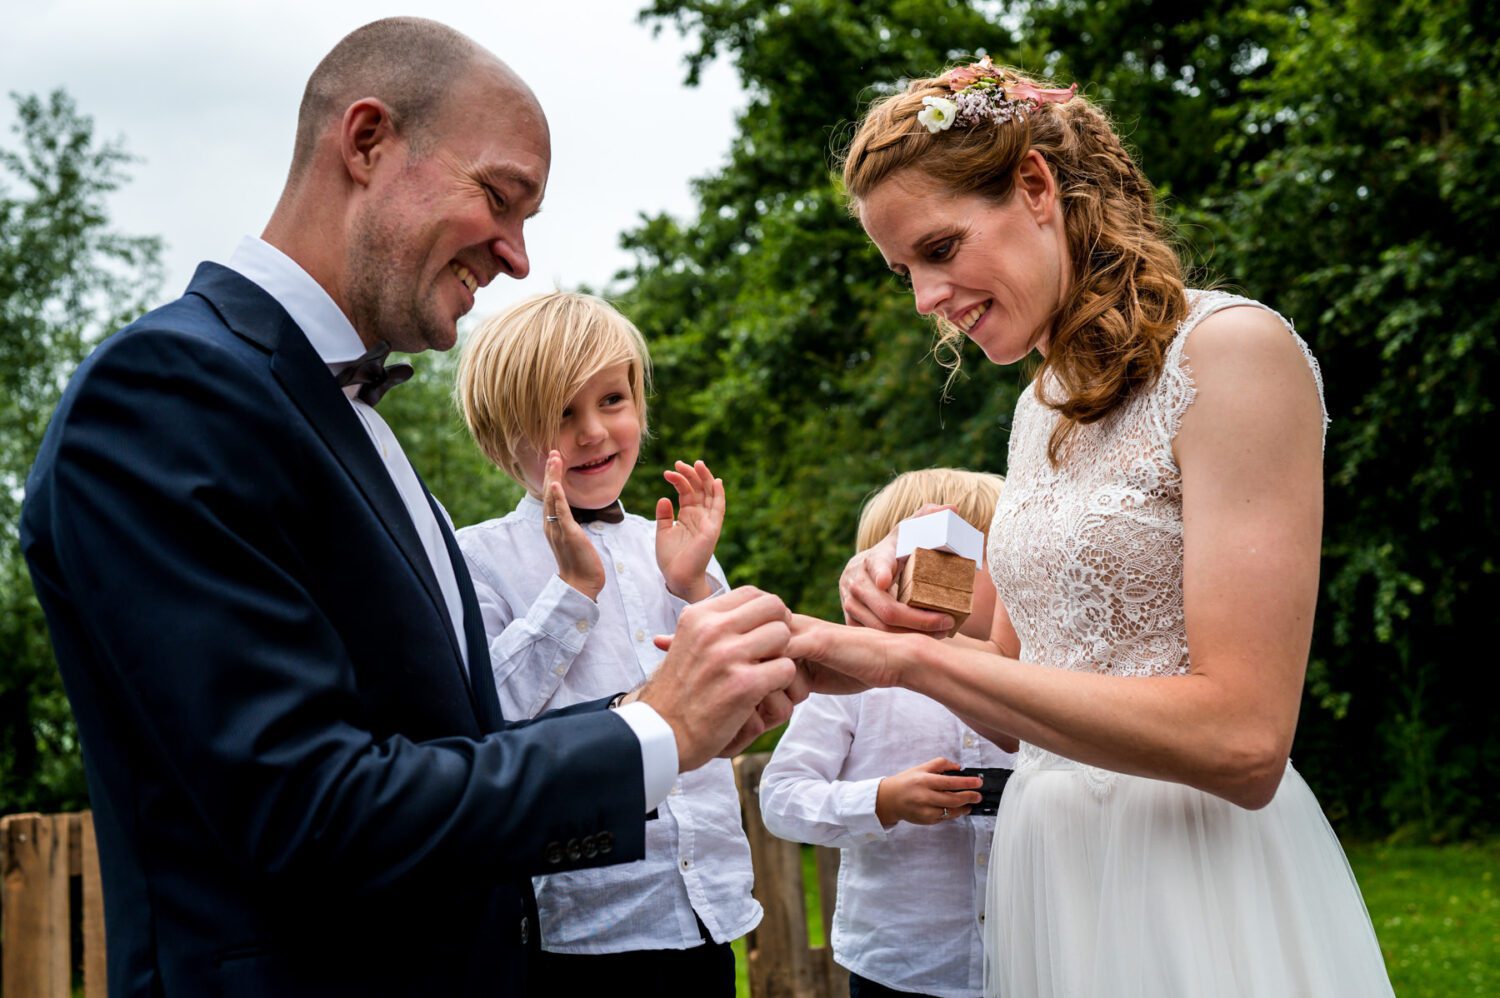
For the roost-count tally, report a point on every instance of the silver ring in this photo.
(945, 812)
(550, 519)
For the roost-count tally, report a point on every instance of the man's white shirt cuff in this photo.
(658, 750)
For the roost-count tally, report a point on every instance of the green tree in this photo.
(66, 280)
(1372, 219)
(786, 354)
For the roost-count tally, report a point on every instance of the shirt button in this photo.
(968, 741)
(560, 669)
(640, 635)
(583, 625)
(597, 527)
(620, 567)
(982, 858)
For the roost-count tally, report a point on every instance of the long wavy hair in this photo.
(1110, 332)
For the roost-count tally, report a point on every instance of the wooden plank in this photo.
(37, 960)
(95, 980)
(75, 843)
(4, 865)
(779, 962)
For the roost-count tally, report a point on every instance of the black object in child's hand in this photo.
(990, 791)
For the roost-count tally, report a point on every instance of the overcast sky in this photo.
(206, 95)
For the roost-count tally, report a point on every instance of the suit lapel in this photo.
(254, 315)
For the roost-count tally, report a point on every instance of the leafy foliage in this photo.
(66, 279)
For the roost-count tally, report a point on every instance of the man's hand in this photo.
(726, 675)
(685, 544)
(922, 795)
(865, 591)
(578, 562)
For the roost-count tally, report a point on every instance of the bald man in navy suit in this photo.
(301, 779)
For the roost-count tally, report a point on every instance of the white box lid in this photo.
(944, 530)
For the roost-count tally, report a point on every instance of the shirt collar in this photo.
(324, 324)
(530, 508)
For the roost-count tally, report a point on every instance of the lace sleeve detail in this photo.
(1177, 390)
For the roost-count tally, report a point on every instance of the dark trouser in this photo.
(863, 987)
(705, 971)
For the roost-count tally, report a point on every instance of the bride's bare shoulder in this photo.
(1253, 381)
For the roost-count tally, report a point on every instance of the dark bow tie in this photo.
(613, 513)
(372, 375)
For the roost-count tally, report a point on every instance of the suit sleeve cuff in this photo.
(658, 750)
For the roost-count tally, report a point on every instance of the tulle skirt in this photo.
(1105, 884)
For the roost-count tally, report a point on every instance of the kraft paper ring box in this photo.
(942, 552)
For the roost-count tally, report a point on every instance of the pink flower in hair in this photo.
(1039, 95)
(981, 94)
(958, 79)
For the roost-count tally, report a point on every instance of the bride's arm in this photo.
(1250, 450)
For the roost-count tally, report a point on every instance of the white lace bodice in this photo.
(1087, 556)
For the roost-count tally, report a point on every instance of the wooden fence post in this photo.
(37, 960)
(39, 856)
(781, 964)
(95, 980)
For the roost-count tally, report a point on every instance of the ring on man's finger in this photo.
(945, 812)
(550, 519)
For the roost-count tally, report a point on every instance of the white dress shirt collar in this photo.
(332, 335)
(326, 326)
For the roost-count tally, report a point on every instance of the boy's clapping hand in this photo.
(578, 563)
(685, 545)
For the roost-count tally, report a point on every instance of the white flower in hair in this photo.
(937, 114)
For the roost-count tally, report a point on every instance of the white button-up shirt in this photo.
(336, 342)
(910, 909)
(551, 646)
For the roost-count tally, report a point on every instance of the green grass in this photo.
(1437, 914)
(1436, 911)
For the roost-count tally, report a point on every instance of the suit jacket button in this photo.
(575, 851)
(606, 842)
(590, 846)
(525, 930)
(554, 853)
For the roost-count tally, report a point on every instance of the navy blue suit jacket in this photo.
(296, 789)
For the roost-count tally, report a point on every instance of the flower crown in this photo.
(981, 94)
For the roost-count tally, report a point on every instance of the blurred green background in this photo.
(1338, 161)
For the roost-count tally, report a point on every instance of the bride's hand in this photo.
(865, 591)
(832, 658)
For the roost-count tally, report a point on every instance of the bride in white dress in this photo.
(1156, 552)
